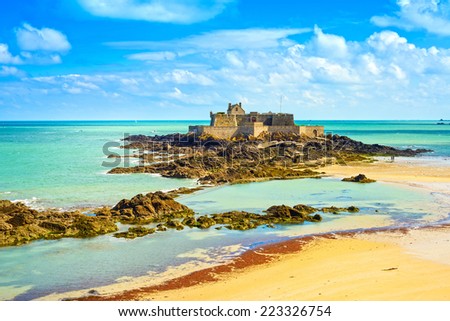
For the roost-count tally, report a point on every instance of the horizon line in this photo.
(146, 120)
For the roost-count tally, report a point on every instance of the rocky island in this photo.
(245, 158)
(238, 147)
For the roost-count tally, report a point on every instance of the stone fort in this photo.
(235, 121)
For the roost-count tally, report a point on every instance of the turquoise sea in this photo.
(59, 164)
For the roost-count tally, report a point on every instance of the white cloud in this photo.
(430, 15)
(56, 59)
(129, 81)
(72, 90)
(171, 11)
(369, 63)
(388, 40)
(328, 45)
(397, 71)
(314, 97)
(233, 58)
(6, 57)
(185, 77)
(153, 56)
(45, 39)
(177, 93)
(86, 85)
(40, 58)
(11, 71)
(239, 39)
(74, 83)
(329, 71)
(243, 39)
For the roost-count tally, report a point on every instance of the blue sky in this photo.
(173, 59)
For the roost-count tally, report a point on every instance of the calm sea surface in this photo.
(59, 164)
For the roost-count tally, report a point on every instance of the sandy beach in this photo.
(403, 170)
(387, 265)
(362, 267)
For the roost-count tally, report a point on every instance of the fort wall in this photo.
(255, 129)
(222, 120)
(235, 121)
(223, 132)
(283, 120)
(284, 129)
(312, 131)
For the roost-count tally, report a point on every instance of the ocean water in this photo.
(59, 164)
(399, 133)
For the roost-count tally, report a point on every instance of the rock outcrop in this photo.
(148, 208)
(360, 178)
(337, 210)
(247, 158)
(134, 232)
(20, 224)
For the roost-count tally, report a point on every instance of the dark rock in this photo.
(152, 207)
(103, 211)
(314, 218)
(133, 232)
(58, 227)
(284, 212)
(93, 292)
(337, 210)
(87, 226)
(205, 222)
(174, 224)
(305, 209)
(20, 224)
(21, 219)
(360, 178)
(183, 190)
(161, 227)
(190, 221)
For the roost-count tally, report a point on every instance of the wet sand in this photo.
(401, 170)
(361, 267)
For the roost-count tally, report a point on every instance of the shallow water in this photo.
(60, 164)
(103, 260)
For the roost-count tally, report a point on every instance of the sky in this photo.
(174, 59)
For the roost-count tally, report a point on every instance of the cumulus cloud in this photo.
(430, 15)
(45, 39)
(6, 57)
(388, 41)
(329, 45)
(169, 11)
